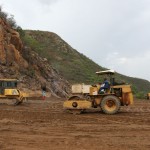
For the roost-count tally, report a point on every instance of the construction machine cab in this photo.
(114, 86)
(7, 84)
(9, 91)
(110, 82)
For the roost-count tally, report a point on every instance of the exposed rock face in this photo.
(10, 45)
(18, 61)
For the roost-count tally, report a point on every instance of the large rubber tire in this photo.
(110, 104)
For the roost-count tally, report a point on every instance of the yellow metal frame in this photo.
(81, 104)
(12, 92)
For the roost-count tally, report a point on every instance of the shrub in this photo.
(21, 32)
(3, 15)
(10, 20)
(140, 95)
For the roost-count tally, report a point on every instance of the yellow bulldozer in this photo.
(9, 91)
(87, 96)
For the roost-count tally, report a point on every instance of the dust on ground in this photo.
(44, 125)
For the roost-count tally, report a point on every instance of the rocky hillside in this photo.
(21, 62)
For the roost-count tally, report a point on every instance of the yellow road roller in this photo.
(89, 96)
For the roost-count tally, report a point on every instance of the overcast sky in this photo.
(113, 33)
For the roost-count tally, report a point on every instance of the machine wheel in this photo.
(110, 104)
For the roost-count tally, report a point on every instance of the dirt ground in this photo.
(44, 125)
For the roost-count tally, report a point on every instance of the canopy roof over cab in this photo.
(107, 72)
(6, 80)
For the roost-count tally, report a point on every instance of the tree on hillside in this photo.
(8, 18)
(3, 15)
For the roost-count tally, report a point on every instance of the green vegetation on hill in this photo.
(71, 64)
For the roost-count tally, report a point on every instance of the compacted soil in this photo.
(44, 125)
